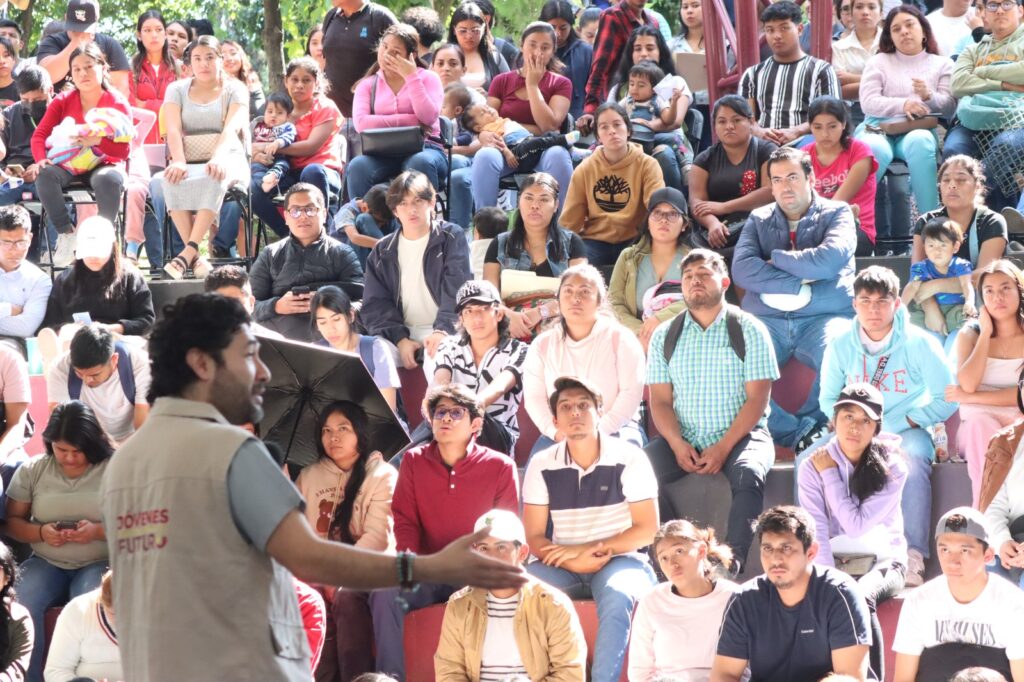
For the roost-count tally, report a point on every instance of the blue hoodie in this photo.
(913, 384)
(848, 524)
(826, 238)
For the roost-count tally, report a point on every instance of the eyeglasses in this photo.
(665, 216)
(18, 244)
(785, 551)
(308, 211)
(845, 10)
(1006, 6)
(467, 32)
(453, 413)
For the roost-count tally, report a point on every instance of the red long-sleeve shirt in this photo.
(434, 505)
(70, 104)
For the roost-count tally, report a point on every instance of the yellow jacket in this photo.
(547, 632)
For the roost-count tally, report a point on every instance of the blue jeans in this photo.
(805, 338)
(920, 149)
(1014, 575)
(327, 180)
(746, 467)
(389, 618)
(489, 168)
(42, 586)
(616, 588)
(460, 194)
(604, 253)
(916, 503)
(365, 171)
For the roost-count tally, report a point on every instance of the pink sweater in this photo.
(418, 103)
(886, 83)
(610, 357)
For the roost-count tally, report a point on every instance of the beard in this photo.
(235, 401)
(707, 299)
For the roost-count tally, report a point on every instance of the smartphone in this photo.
(16, 169)
(300, 291)
(81, 318)
(66, 525)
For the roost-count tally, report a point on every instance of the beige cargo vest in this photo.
(194, 600)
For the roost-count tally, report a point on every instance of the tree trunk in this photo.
(26, 28)
(273, 42)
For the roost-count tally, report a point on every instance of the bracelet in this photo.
(41, 532)
(403, 564)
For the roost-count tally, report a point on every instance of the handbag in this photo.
(401, 142)
(988, 110)
(902, 126)
(201, 145)
(854, 564)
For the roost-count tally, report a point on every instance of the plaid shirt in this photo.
(613, 31)
(708, 378)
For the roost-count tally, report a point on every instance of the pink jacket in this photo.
(418, 103)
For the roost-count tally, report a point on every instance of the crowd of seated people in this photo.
(615, 327)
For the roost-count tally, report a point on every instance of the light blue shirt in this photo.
(28, 287)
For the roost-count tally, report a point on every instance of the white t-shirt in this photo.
(418, 307)
(931, 616)
(84, 644)
(113, 410)
(664, 620)
(499, 658)
(949, 31)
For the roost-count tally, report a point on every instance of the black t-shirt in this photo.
(794, 644)
(576, 250)
(988, 223)
(53, 44)
(350, 44)
(726, 181)
(9, 95)
(17, 135)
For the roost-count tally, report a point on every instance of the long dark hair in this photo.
(872, 471)
(7, 594)
(885, 43)
(561, 9)
(665, 60)
(93, 51)
(110, 277)
(837, 108)
(470, 11)
(517, 234)
(554, 65)
(404, 32)
(75, 423)
(334, 299)
(1010, 269)
(166, 58)
(361, 427)
(245, 71)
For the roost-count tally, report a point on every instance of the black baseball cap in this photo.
(864, 396)
(668, 195)
(81, 16)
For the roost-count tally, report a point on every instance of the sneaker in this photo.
(572, 138)
(64, 250)
(49, 347)
(819, 431)
(915, 570)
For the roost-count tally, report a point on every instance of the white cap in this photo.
(94, 238)
(504, 525)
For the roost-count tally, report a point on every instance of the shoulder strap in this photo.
(125, 374)
(366, 352)
(675, 329)
(734, 327)
(373, 92)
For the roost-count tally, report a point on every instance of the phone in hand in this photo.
(81, 318)
(66, 525)
(300, 291)
(15, 169)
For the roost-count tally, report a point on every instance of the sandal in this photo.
(177, 268)
(201, 267)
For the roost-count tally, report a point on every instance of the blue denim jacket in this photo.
(525, 263)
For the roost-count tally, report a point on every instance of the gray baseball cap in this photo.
(966, 521)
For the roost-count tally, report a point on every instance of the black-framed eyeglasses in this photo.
(308, 211)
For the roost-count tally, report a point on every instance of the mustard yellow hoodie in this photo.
(607, 202)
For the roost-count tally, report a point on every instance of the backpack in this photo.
(124, 372)
(732, 326)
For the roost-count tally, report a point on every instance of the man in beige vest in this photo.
(203, 528)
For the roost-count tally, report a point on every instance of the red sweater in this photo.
(70, 104)
(434, 505)
(147, 91)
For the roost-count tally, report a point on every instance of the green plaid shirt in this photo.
(708, 378)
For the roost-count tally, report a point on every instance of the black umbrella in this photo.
(304, 380)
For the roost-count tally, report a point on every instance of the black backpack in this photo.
(732, 326)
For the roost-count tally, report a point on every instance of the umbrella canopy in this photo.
(304, 380)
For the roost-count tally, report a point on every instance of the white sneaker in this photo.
(64, 251)
(49, 347)
(915, 571)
